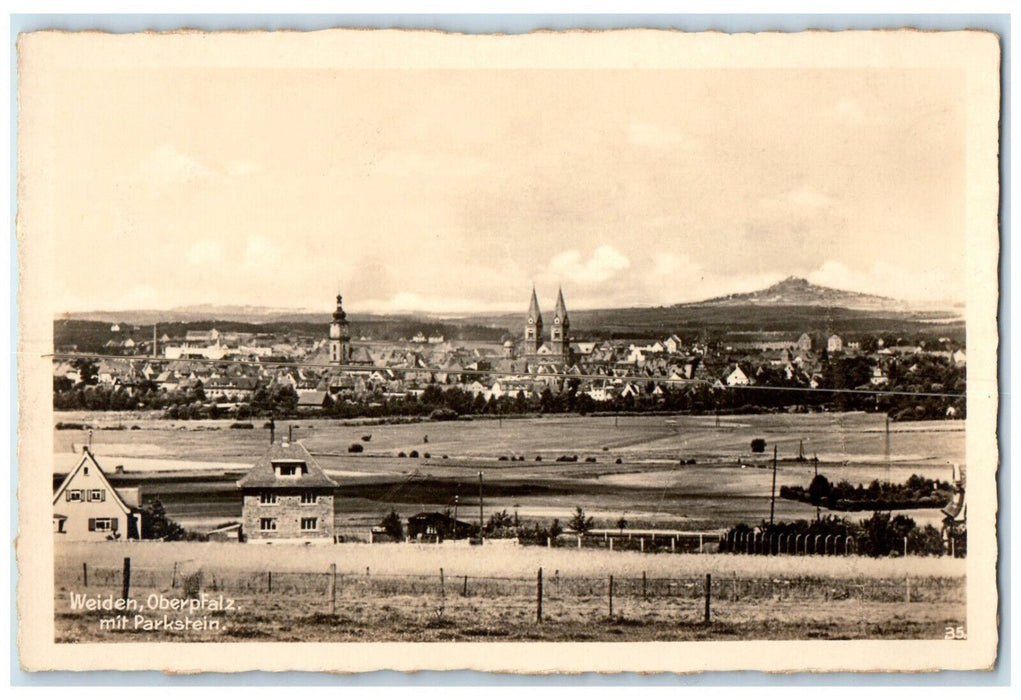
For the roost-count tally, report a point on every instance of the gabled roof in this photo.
(89, 459)
(262, 475)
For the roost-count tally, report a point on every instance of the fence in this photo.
(688, 598)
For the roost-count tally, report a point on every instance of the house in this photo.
(673, 344)
(439, 526)
(960, 358)
(737, 377)
(805, 343)
(87, 507)
(287, 496)
(834, 344)
(311, 400)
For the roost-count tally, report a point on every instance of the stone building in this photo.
(287, 496)
(558, 348)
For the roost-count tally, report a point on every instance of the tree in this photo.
(156, 525)
(758, 445)
(579, 523)
(393, 526)
(622, 524)
(819, 490)
(555, 529)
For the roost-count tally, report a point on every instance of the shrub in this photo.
(758, 445)
(413, 454)
(366, 438)
(443, 414)
(502, 458)
(354, 447)
(538, 458)
(401, 454)
(136, 427)
(241, 426)
(590, 460)
(426, 455)
(618, 461)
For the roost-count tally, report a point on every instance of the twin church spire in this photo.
(559, 337)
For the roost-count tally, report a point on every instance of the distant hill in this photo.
(797, 291)
(793, 305)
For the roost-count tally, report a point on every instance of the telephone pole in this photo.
(481, 538)
(772, 499)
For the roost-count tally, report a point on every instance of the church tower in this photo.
(340, 337)
(533, 327)
(559, 338)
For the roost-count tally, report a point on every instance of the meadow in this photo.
(192, 466)
(407, 592)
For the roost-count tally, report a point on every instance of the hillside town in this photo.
(213, 373)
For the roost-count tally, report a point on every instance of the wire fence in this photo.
(326, 588)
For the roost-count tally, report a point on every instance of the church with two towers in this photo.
(558, 349)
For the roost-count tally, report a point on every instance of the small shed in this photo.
(438, 525)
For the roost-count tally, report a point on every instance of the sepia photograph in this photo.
(565, 351)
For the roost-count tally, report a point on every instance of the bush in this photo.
(413, 454)
(241, 426)
(443, 414)
(426, 455)
(136, 427)
(538, 458)
(401, 454)
(502, 458)
(758, 445)
(590, 460)
(618, 461)
(73, 426)
(354, 447)
(366, 438)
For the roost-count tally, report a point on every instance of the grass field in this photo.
(192, 466)
(401, 592)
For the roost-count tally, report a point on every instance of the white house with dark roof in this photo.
(87, 507)
(286, 496)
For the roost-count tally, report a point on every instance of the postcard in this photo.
(608, 351)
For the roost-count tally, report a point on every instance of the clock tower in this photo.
(340, 336)
(533, 327)
(559, 338)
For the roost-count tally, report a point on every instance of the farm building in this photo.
(437, 525)
(87, 507)
(287, 496)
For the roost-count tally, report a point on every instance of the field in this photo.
(193, 466)
(410, 592)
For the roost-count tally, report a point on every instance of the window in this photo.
(289, 468)
(267, 524)
(267, 498)
(97, 495)
(73, 495)
(102, 524)
(309, 498)
(310, 523)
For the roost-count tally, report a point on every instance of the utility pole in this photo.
(455, 506)
(815, 458)
(772, 499)
(481, 538)
(155, 353)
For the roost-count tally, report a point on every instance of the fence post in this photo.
(907, 589)
(579, 541)
(465, 591)
(673, 543)
(126, 587)
(333, 589)
(173, 577)
(641, 544)
(549, 542)
(611, 544)
(611, 596)
(708, 596)
(538, 597)
(269, 581)
(85, 574)
(645, 590)
(443, 593)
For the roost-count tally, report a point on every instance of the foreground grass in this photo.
(491, 560)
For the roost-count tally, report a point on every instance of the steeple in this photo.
(561, 325)
(533, 326)
(340, 336)
(561, 310)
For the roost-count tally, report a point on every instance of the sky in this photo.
(453, 191)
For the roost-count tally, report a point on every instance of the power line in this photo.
(522, 376)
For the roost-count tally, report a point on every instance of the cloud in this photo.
(260, 251)
(605, 263)
(241, 168)
(655, 135)
(892, 280)
(204, 252)
(166, 165)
